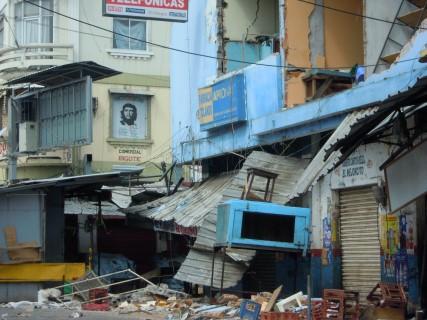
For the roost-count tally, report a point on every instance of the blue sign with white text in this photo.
(222, 103)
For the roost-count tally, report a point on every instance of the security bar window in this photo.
(34, 24)
(126, 31)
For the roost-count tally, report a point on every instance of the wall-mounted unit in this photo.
(262, 225)
(28, 136)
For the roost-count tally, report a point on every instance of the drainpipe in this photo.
(220, 35)
(282, 49)
(11, 140)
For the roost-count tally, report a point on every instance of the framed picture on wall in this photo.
(130, 116)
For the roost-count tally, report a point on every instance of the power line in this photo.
(359, 14)
(287, 67)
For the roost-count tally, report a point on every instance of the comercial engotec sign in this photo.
(166, 10)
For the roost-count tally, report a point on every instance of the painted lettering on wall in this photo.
(354, 166)
(130, 155)
(170, 226)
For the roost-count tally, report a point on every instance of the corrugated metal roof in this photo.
(198, 264)
(288, 169)
(188, 208)
(320, 166)
(65, 182)
(197, 268)
(78, 206)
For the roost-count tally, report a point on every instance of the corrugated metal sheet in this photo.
(200, 257)
(320, 166)
(77, 206)
(54, 76)
(188, 208)
(197, 268)
(288, 169)
(360, 243)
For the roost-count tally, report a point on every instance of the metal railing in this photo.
(34, 56)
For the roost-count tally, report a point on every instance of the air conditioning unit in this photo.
(262, 225)
(28, 136)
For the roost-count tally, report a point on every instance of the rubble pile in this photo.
(160, 302)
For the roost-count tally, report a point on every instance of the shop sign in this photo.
(223, 103)
(164, 10)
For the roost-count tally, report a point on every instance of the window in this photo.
(130, 113)
(34, 24)
(125, 28)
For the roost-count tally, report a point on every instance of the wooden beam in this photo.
(391, 57)
(414, 17)
(419, 3)
(325, 86)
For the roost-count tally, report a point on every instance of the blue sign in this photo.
(249, 310)
(222, 103)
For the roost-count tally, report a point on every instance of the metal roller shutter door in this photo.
(360, 244)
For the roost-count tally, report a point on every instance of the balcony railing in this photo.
(33, 57)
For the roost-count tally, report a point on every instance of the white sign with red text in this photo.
(166, 10)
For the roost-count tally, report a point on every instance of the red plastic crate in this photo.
(96, 295)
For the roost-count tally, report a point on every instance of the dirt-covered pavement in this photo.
(63, 314)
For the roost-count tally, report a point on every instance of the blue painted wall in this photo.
(263, 96)
(250, 52)
(191, 72)
(267, 122)
(23, 212)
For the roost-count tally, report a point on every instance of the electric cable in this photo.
(202, 55)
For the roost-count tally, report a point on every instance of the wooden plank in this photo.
(414, 17)
(391, 57)
(273, 299)
(419, 3)
(322, 90)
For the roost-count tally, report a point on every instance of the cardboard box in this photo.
(388, 313)
(24, 252)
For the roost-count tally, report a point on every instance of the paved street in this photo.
(60, 314)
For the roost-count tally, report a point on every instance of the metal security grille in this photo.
(361, 262)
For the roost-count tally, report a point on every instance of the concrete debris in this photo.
(75, 315)
(126, 308)
(24, 306)
(44, 296)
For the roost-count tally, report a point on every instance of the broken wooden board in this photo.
(273, 299)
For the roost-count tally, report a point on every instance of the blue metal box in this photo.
(262, 225)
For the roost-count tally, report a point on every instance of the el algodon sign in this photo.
(166, 10)
(223, 103)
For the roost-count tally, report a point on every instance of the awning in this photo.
(323, 164)
(357, 128)
(61, 74)
(67, 183)
(198, 264)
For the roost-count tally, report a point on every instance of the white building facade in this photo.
(38, 34)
